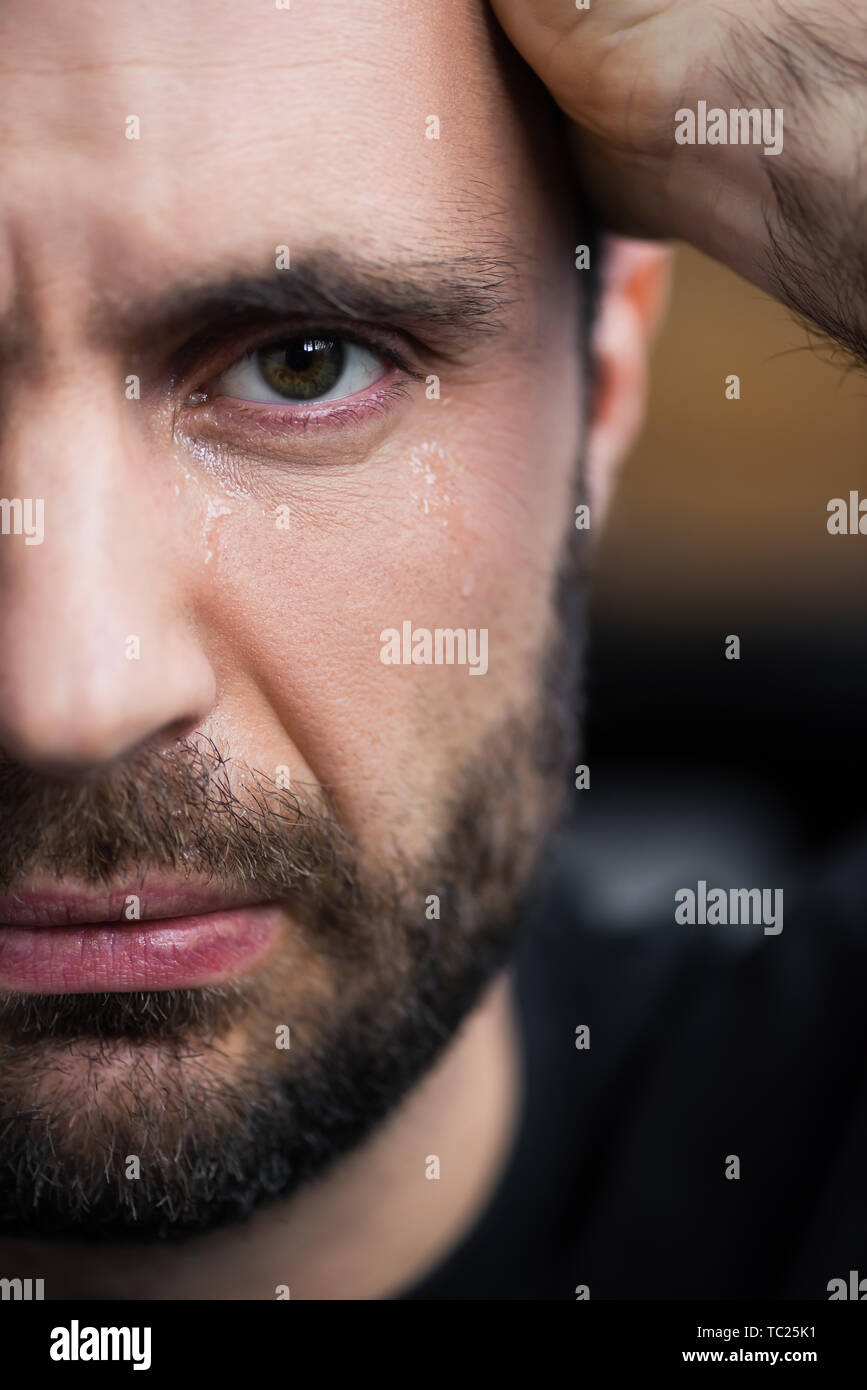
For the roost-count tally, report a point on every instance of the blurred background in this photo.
(719, 527)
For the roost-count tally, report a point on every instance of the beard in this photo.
(163, 1113)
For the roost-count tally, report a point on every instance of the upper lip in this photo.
(55, 904)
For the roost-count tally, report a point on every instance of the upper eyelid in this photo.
(381, 349)
(238, 344)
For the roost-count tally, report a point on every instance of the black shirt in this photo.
(706, 1043)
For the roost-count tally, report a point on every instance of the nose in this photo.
(98, 647)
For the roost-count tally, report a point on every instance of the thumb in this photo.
(612, 67)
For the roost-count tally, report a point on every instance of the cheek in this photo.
(457, 522)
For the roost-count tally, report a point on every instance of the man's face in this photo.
(285, 373)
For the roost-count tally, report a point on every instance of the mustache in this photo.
(173, 810)
(177, 811)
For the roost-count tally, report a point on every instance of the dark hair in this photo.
(590, 235)
(588, 231)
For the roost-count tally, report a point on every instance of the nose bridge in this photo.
(65, 467)
(96, 652)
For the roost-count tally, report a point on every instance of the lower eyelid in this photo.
(281, 420)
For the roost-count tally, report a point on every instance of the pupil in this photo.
(304, 367)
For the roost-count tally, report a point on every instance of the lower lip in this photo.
(168, 953)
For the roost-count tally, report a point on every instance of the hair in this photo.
(590, 233)
(588, 230)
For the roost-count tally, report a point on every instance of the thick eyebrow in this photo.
(447, 299)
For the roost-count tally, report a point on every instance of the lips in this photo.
(154, 935)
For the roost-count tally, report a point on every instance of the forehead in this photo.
(259, 127)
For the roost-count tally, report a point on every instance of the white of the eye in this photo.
(244, 379)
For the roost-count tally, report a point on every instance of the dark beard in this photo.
(90, 1082)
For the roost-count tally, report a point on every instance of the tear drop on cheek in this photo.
(216, 509)
(468, 583)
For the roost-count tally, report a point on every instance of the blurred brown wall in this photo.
(727, 500)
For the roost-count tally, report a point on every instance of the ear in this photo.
(636, 284)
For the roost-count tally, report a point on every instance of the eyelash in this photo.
(375, 399)
(276, 419)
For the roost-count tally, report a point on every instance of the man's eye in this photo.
(301, 369)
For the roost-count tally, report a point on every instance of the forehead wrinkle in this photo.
(231, 66)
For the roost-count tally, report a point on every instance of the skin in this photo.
(448, 512)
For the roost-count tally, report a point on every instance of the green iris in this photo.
(303, 368)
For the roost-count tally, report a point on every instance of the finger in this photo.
(596, 61)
